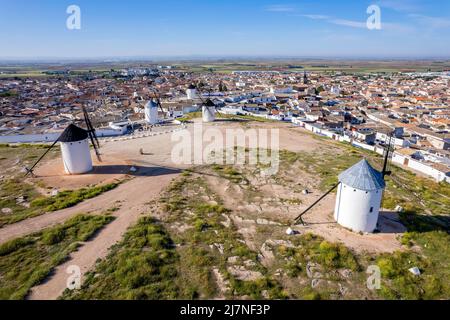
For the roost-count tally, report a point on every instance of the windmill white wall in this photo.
(151, 113)
(209, 114)
(191, 94)
(76, 157)
(356, 209)
(359, 198)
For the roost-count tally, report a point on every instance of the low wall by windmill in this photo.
(51, 137)
(398, 159)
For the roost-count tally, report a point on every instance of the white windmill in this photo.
(359, 196)
(76, 155)
(209, 111)
(75, 151)
(151, 112)
(191, 92)
(152, 108)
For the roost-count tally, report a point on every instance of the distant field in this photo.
(318, 66)
(33, 74)
(228, 66)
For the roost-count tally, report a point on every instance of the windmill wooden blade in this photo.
(30, 170)
(95, 144)
(200, 95)
(207, 103)
(388, 156)
(299, 219)
(90, 128)
(157, 96)
(158, 101)
(91, 133)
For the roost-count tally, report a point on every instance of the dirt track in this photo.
(134, 197)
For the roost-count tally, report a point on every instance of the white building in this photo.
(396, 140)
(281, 90)
(76, 154)
(359, 197)
(335, 90)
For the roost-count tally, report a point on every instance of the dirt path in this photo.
(134, 197)
(122, 194)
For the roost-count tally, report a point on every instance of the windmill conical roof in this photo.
(209, 103)
(73, 134)
(151, 104)
(363, 176)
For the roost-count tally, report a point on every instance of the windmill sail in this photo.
(92, 135)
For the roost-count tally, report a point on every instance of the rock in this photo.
(315, 283)
(266, 252)
(219, 247)
(346, 273)
(266, 222)
(415, 271)
(223, 284)
(290, 232)
(233, 260)
(227, 222)
(249, 263)
(312, 270)
(243, 274)
(342, 290)
(278, 272)
(20, 200)
(285, 243)
(7, 211)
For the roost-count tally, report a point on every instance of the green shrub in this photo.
(67, 199)
(142, 266)
(53, 236)
(39, 205)
(255, 289)
(15, 245)
(27, 261)
(333, 255)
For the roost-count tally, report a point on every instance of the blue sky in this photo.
(302, 28)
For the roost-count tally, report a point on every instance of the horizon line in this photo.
(215, 57)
